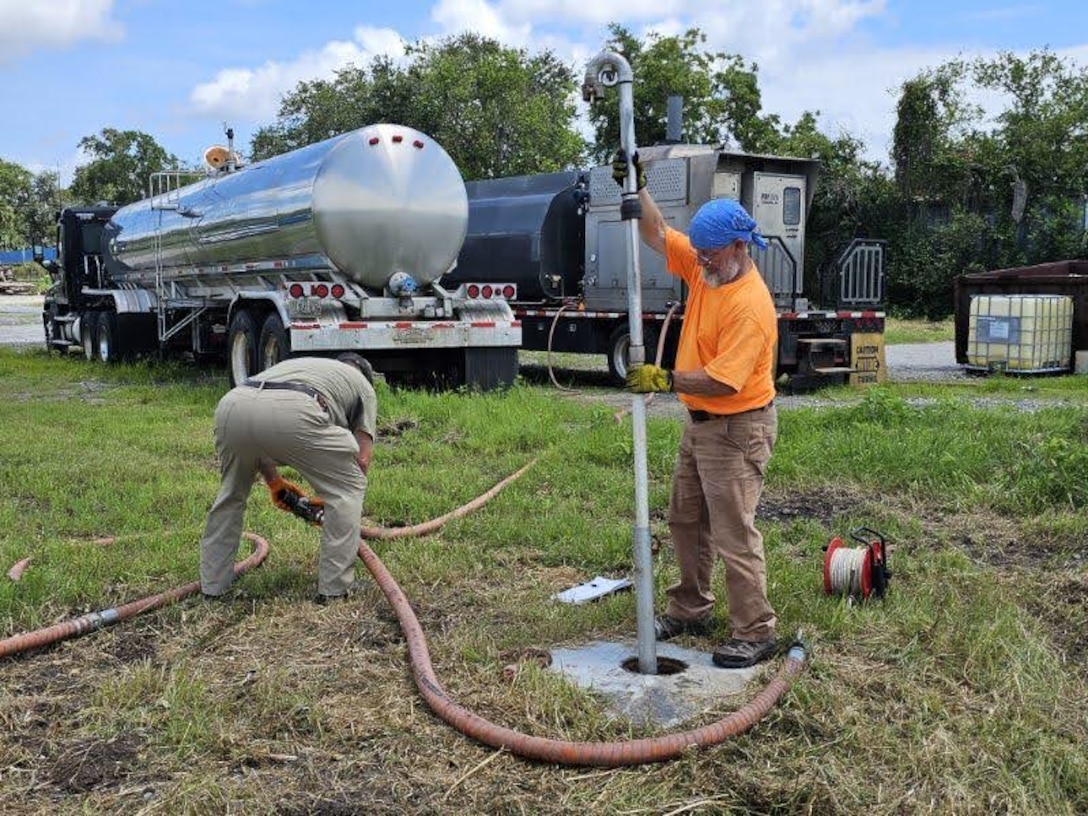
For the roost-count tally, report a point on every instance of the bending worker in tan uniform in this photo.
(316, 415)
(724, 376)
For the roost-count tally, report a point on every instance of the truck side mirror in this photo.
(38, 253)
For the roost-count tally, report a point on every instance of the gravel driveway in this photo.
(21, 320)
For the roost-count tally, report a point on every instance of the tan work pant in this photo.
(716, 487)
(289, 428)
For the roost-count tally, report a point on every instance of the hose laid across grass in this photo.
(94, 621)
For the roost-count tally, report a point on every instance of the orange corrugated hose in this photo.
(607, 754)
(97, 620)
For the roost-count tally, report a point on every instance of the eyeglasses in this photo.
(705, 257)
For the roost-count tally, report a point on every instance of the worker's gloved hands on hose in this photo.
(285, 494)
(619, 169)
(646, 379)
(312, 509)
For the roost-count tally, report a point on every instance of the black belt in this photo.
(706, 416)
(289, 386)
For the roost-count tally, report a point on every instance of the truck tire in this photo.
(88, 334)
(619, 344)
(274, 345)
(107, 346)
(242, 337)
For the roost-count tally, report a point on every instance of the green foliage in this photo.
(121, 165)
(986, 190)
(27, 206)
(721, 96)
(496, 110)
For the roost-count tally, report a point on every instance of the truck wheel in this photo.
(619, 345)
(242, 347)
(88, 332)
(274, 345)
(105, 334)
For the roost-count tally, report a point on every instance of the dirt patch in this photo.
(391, 430)
(133, 646)
(91, 764)
(824, 505)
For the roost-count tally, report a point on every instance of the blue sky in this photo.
(180, 69)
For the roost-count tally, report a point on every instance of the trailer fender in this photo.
(260, 303)
(125, 301)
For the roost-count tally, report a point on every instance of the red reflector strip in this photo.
(444, 325)
(516, 324)
(304, 326)
(353, 325)
(403, 325)
(486, 324)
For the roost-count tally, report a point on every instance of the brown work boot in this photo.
(740, 654)
(666, 626)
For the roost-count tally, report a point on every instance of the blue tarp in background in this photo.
(17, 256)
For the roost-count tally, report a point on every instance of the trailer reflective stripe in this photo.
(575, 315)
(829, 315)
(305, 326)
(353, 325)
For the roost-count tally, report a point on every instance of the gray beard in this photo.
(716, 279)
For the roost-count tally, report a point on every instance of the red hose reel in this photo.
(859, 572)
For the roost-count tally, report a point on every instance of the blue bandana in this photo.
(722, 221)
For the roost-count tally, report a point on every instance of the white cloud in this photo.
(27, 25)
(513, 21)
(483, 18)
(254, 93)
(580, 11)
(854, 92)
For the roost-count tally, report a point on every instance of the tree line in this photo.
(966, 188)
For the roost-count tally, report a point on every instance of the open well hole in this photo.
(665, 665)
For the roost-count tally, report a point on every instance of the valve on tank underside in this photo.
(401, 284)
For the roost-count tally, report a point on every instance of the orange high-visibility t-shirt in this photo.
(730, 332)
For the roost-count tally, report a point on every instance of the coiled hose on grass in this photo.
(563, 752)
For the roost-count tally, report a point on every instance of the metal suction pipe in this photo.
(606, 70)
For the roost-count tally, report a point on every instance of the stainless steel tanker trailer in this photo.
(552, 246)
(333, 247)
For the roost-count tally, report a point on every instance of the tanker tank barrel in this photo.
(366, 204)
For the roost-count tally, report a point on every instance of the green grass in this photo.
(963, 691)
(898, 330)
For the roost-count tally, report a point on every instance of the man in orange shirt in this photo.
(724, 376)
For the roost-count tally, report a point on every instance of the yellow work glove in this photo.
(646, 379)
(619, 170)
(285, 494)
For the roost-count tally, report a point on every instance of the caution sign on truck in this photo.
(867, 357)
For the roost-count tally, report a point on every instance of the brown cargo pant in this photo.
(290, 429)
(716, 487)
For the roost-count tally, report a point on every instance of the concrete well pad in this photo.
(661, 699)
